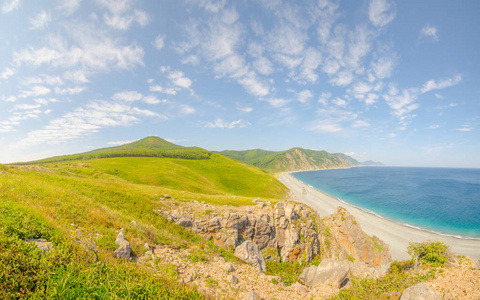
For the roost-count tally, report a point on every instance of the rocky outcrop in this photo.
(248, 252)
(420, 291)
(343, 238)
(329, 272)
(286, 231)
(123, 250)
(42, 244)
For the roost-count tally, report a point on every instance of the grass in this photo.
(288, 272)
(55, 201)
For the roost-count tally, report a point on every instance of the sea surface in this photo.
(441, 200)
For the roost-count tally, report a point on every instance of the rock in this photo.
(252, 295)
(146, 246)
(299, 287)
(226, 238)
(185, 221)
(232, 279)
(124, 250)
(133, 223)
(261, 204)
(420, 291)
(167, 196)
(248, 252)
(42, 244)
(256, 200)
(228, 267)
(264, 233)
(329, 272)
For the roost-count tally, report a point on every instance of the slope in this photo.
(147, 147)
(295, 159)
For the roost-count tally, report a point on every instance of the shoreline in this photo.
(396, 235)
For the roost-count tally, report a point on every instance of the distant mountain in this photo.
(295, 159)
(151, 146)
(370, 163)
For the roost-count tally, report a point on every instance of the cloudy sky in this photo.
(392, 81)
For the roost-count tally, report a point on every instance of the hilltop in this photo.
(295, 159)
(151, 146)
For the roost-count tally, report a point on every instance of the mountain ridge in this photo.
(294, 159)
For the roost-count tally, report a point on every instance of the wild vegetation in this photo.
(294, 159)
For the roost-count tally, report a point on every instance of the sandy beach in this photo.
(397, 236)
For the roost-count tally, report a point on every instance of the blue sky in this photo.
(396, 82)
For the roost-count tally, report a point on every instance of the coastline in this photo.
(396, 235)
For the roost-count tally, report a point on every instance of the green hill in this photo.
(295, 159)
(148, 147)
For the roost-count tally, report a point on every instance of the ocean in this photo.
(441, 200)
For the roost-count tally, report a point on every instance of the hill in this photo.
(295, 159)
(369, 163)
(148, 147)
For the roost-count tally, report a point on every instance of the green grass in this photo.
(278, 161)
(288, 272)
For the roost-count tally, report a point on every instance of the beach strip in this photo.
(396, 235)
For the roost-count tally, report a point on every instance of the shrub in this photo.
(434, 253)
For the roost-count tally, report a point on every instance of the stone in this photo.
(261, 204)
(420, 291)
(299, 288)
(252, 295)
(232, 279)
(133, 223)
(124, 250)
(228, 267)
(42, 244)
(248, 252)
(263, 234)
(329, 272)
(167, 196)
(226, 238)
(185, 221)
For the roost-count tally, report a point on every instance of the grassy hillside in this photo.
(148, 147)
(295, 159)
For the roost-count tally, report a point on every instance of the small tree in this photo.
(434, 253)
(86, 240)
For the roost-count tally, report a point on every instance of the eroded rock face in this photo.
(420, 291)
(123, 250)
(344, 239)
(249, 252)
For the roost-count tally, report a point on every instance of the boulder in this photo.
(420, 291)
(226, 238)
(232, 279)
(42, 244)
(228, 267)
(329, 272)
(185, 221)
(248, 252)
(124, 250)
(264, 233)
(252, 295)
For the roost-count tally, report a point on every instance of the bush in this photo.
(434, 253)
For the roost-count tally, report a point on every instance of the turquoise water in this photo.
(442, 200)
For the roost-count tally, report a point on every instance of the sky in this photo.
(390, 81)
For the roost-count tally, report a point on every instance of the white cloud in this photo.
(86, 120)
(159, 42)
(8, 72)
(10, 5)
(339, 102)
(304, 96)
(429, 32)
(186, 109)
(152, 100)
(9, 98)
(383, 67)
(349, 153)
(465, 128)
(78, 76)
(360, 124)
(127, 96)
(35, 91)
(121, 14)
(220, 123)
(160, 89)
(438, 96)
(277, 102)
(324, 98)
(69, 91)
(69, 6)
(91, 50)
(40, 21)
(332, 120)
(118, 143)
(342, 78)
(245, 109)
(210, 5)
(436, 85)
(178, 78)
(380, 12)
(435, 126)
(371, 99)
(27, 106)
